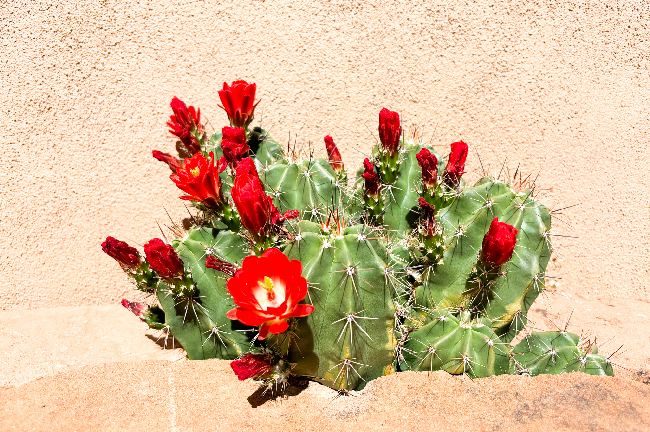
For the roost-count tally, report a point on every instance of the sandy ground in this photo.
(93, 368)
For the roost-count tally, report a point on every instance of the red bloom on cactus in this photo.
(121, 252)
(256, 210)
(135, 307)
(234, 145)
(389, 130)
(333, 154)
(371, 178)
(251, 366)
(267, 291)
(499, 243)
(185, 123)
(172, 162)
(238, 101)
(456, 163)
(199, 179)
(429, 165)
(163, 259)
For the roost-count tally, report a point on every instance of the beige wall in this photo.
(561, 88)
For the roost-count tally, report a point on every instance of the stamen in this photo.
(267, 284)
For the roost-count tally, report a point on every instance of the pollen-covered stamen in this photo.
(195, 171)
(267, 284)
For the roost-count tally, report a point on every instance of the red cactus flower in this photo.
(429, 165)
(267, 291)
(389, 130)
(163, 259)
(238, 101)
(215, 263)
(428, 212)
(456, 163)
(251, 366)
(256, 210)
(199, 179)
(499, 243)
(185, 123)
(172, 162)
(372, 182)
(135, 307)
(333, 154)
(121, 252)
(234, 145)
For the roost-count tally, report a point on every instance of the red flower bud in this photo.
(267, 291)
(389, 130)
(428, 212)
(199, 179)
(429, 165)
(163, 259)
(456, 163)
(238, 101)
(135, 307)
(251, 366)
(233, 144)
(185, 123)
(499, 243)
(215, 263)
(372, 182)
(256, 210)
(333, 154)
(172, 162)
(126, 255)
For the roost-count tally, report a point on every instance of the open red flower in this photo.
(185, 123)
(251, 366)
(256, 210)
(333, 154)
(389, 130)
(238, 101)
(371, 178)
(499, 243)
(121, 252)
(199, 179)
(267, 291)
(456, 163)
(163, 259)
(172, 162)
(234, 145)
(429, 165)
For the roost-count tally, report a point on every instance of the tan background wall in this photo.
(561, 88)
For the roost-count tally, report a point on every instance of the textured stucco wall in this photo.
(559, 88)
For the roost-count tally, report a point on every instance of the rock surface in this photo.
(93, 368)
(205, 395)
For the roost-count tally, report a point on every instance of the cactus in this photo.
(558, 352)
(407, 269)
(349, 339)
(457, 345)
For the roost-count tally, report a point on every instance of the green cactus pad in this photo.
(310, 186)
(456, 345)
(349, 338)
(199, 322)
(465, 222)
(556, 352)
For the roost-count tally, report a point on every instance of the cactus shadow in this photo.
(262, 395)
(164, 341)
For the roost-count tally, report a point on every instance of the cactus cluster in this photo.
(290, 268)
